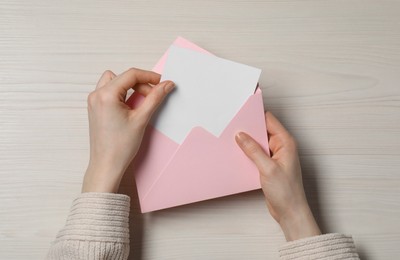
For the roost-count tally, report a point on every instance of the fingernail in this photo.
(169, 87)
(240, 137)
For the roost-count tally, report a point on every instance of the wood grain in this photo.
(331, 73)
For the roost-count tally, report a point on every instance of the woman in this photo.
(97, 226)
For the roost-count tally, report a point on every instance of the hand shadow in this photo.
(136, 218)
(311, 188)
(314, 194)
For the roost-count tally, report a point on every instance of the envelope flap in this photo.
(180, 42)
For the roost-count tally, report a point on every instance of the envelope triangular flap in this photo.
(206, 167)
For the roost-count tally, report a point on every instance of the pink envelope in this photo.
(202, 167)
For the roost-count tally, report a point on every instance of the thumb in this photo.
(254, 151)
(155, 98)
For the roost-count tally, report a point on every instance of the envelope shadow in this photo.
(220, 203)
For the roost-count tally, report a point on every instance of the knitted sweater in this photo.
(98, 228)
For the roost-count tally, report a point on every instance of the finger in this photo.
(154, 99)
(253, 150)
(274, 127)
(134, 76)
(107, 76)
(143, 88)
(279, 137)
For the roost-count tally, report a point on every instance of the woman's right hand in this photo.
(281, 180)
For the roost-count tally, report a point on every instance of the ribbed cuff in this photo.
(328, 246)
(102, 217)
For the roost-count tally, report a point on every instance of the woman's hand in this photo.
(116, 130)
(281, 180)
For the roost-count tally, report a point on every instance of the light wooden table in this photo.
(331, 73)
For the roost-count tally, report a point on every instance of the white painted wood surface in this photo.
(331, 73)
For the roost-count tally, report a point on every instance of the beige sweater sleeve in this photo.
(328, 246)
(97, 228)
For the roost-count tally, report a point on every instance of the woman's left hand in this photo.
(116, 130)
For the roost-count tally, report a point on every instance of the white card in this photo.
(209, 92)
